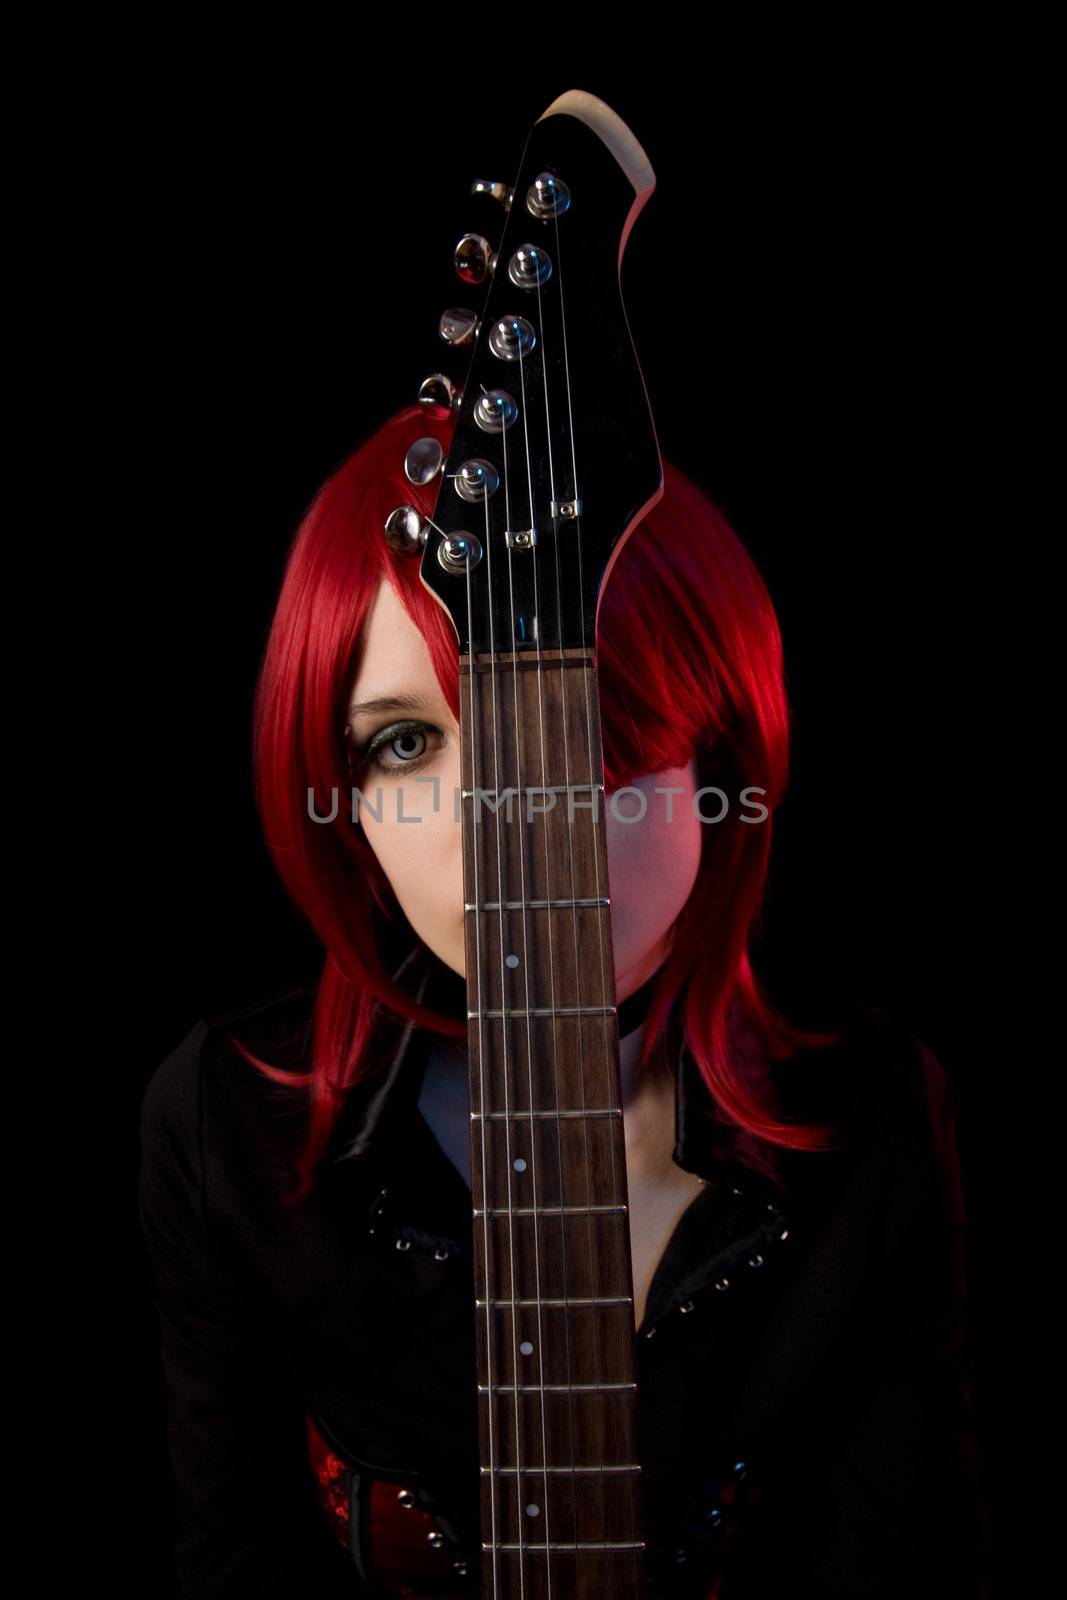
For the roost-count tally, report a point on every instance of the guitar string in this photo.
(623, 1270)
(534, 1124)
(594, 1313)
(488, 1273)
(506, 1065)
(594, 799)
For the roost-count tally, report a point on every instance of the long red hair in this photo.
(690, 663)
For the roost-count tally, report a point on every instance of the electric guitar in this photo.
(553, 461)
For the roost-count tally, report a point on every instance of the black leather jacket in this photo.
(805, 1413)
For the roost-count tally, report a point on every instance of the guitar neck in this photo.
(561, 1504)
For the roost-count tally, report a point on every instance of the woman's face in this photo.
(652, 862)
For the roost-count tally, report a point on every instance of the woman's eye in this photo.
(399, 746)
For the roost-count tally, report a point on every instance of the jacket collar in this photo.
(378, 1107)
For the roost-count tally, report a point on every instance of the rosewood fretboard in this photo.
(562, 1511)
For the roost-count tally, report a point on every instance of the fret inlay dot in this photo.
(511, 961)
(526, 1348)
(519, 1164)
(533, 1511)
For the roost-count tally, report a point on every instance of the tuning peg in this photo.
(459, 552)
(458, 326)
(476, 480)
(495, 410)
(405, 531)
(439, 395)
(495, 191)
(530, 267)
(512, 337)
(473, 258)
(548, 196)
(424, 460)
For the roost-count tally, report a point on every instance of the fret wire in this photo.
(577, 1544)
(621, 1467)
(544, 1011)
(571, 1300)
(554, 1388)
(549, 1211)
(500, 1116)
(538, 905)
(531, 788)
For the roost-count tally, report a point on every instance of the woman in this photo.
(794, 1200)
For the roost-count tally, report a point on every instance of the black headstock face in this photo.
(554, 454)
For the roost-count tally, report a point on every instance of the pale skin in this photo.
(652, 866)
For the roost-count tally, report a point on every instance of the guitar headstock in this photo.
(554, 455)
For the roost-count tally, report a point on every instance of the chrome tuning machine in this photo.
(405, 531)
(438, 395)
(495, 191)
(458, 326)
(424, 460)
(473, 258)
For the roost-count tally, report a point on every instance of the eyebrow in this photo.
(386, 702)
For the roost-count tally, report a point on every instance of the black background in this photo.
(804, 291)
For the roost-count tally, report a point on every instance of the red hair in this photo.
(690, 663)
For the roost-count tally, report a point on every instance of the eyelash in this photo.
(384, 738)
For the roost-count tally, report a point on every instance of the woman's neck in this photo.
(648, 1101)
